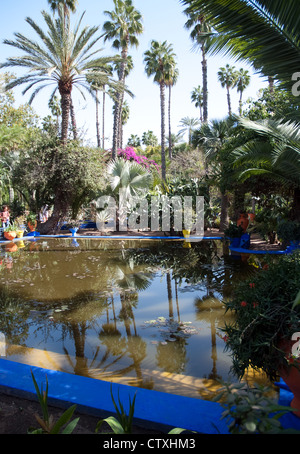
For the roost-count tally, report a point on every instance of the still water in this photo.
(144, 313)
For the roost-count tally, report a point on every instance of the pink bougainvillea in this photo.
(130, 154)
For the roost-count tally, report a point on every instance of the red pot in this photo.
(32, 226)
(243, 221)
(10, 235)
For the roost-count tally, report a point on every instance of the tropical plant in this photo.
(228, 78)
(123, 26)
(264, 315)
(242, 81)
(251, 410)
(131, 177)
(274, 151)
(218, 140)
(47, 423)
(173, 77)
(264, 33)
(202, 35)
(197, 99)
(123, 423)
(160, 63)
(64, 57)
(188, 125)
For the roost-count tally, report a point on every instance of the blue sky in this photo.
(164, 21)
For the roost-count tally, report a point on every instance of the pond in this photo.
(146, 313)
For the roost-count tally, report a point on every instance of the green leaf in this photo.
(65, 417)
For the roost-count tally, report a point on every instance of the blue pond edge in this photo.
(153, 409)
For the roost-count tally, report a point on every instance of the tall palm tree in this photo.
(242, 82)
(63, 59)
(159, 62)
(227, 78)
(189, 125)
(117, 67)
(68, 5)
(263, 32)
(123, 26)
(197, 99)
(173, 77)
(201, 34)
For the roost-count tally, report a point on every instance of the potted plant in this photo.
(234, 232)
(20, 222)
(31, 221)
(10, 232)
(73, 226)
(289, 233)
(266, 321)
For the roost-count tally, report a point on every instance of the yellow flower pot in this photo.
(186, 233)
(20, 233)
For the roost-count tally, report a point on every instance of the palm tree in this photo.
(227, 78)
(63, 59)
(173, 77)
(128, 69)
(197, 99)
(217, 140)
(262, 32)
(202, 35)
(68, 5)
(242, 82)
(189, 125)
(159, 62)
(274, 152)
(123, 27)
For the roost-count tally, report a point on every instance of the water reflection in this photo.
(141, 313)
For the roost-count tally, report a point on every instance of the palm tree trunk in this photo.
(170, 132)
(73, 120)
(228, 101)
(224, 218)
(240, 104)
(65, 113)
(103, 118)
(119, 105)
(204, 83)
(97, 121)
(162, 110)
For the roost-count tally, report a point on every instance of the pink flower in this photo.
(243, 304)
(252, 285)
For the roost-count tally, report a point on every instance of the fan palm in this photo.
(263, 32)
(197, 99)
(128, 176)
(63, 59)
(123, 26)
(242, 82)
(188, 125)
(160, 62)
(227, 78)
(274, 152)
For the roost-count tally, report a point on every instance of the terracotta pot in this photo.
(251, 216)
(32, 226)
(243, 221)
(11, 247)
(10, 235)
(291, 375)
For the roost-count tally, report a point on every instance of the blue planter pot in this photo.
(74, 231)
(235, 242)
